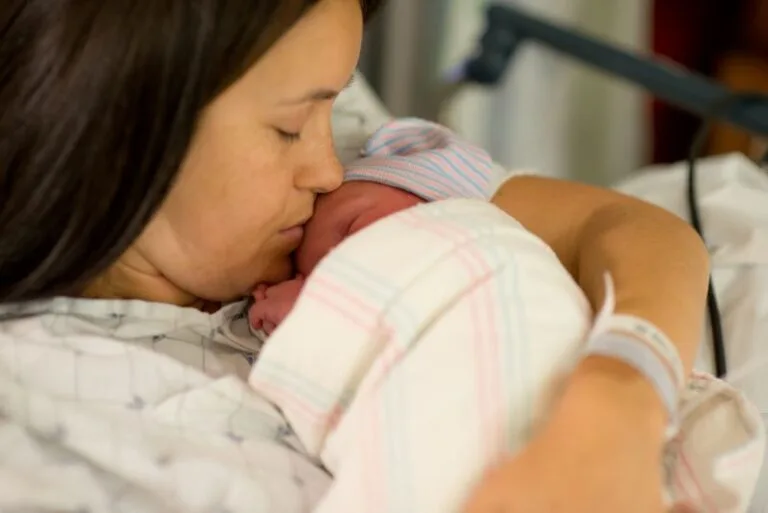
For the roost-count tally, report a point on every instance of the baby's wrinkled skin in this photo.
(339, 214)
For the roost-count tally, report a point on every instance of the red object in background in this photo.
(692, 33)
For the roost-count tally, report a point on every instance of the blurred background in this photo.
(554, 115)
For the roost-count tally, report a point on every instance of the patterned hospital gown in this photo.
(135, 407)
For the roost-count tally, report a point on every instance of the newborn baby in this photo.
(447, 330)
(406, 163)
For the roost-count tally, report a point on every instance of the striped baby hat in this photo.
(426, 159)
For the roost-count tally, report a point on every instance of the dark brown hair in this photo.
(98, 103)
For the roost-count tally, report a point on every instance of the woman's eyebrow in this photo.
(319, 95)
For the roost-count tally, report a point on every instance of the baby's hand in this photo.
(274, 303)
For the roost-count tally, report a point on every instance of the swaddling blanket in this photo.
(447, 330)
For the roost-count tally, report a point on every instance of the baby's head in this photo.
(408, 161)
(345, 211)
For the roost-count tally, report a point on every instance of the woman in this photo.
(170, 152)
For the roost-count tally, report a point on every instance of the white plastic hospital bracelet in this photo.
(641, 345)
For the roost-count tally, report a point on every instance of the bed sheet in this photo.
(733, 203)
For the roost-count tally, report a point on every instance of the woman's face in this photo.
(261, 154)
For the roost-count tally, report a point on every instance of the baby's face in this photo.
(345, 211)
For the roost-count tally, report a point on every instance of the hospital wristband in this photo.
(644, 347)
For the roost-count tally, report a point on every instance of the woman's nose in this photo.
(321, 175)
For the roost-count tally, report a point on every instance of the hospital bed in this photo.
(725, 197)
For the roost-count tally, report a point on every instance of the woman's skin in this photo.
(261, 155)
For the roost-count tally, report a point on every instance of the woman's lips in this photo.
(294, 233)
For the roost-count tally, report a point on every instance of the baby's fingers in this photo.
(260, 292)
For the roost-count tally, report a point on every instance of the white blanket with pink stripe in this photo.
(447, 330)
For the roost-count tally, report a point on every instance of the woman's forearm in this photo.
(660, 269)
(658, 263)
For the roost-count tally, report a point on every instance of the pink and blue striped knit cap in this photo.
(425, 159)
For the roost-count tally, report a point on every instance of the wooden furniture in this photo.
(744, 68)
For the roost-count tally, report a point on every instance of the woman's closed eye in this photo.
(288, 136)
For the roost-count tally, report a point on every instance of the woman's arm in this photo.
(659, 265)
(600, 450)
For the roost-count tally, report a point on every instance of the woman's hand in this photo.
(599, 452)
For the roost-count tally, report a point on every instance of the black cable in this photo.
(713, 310)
